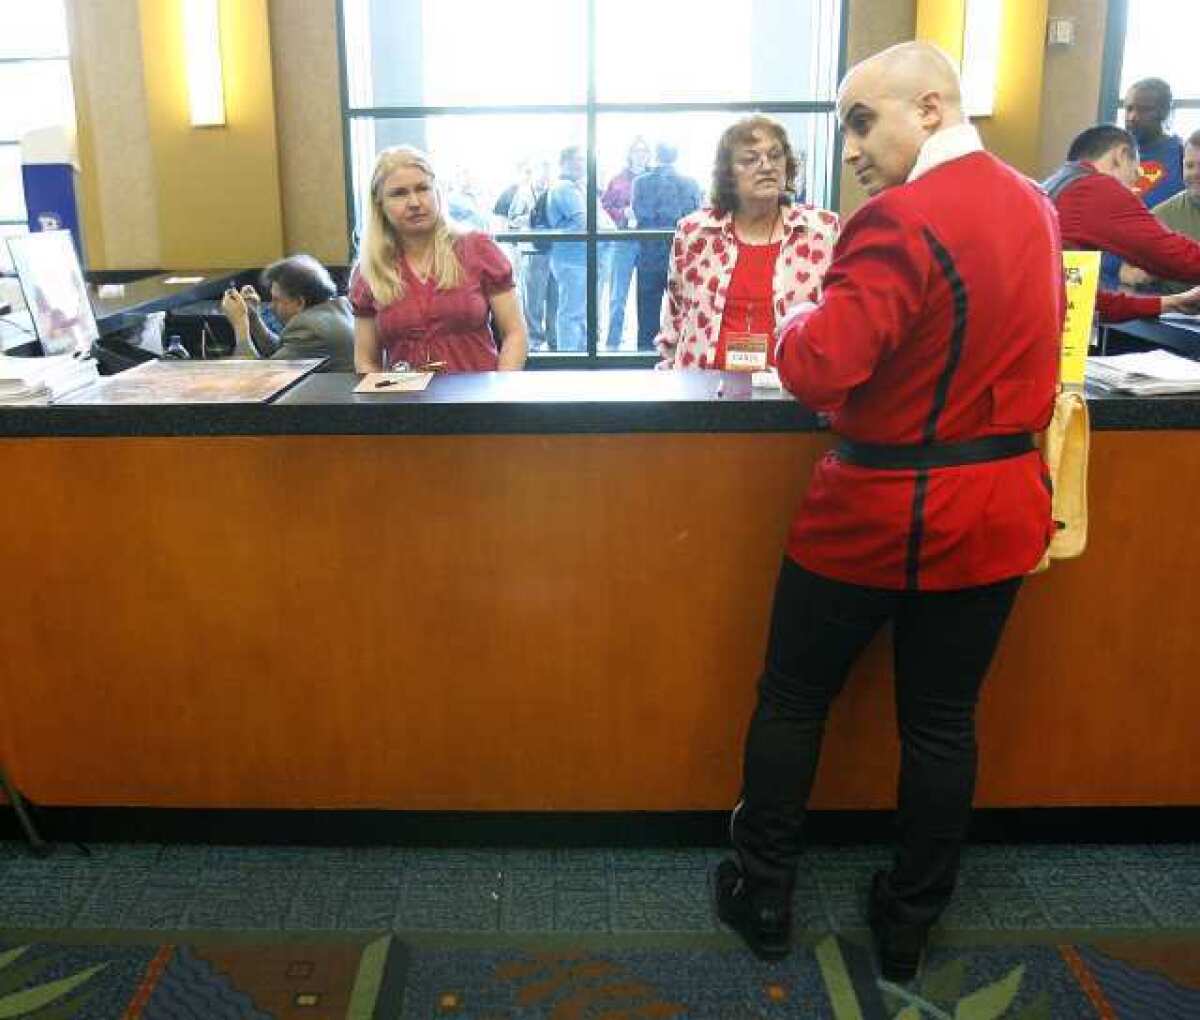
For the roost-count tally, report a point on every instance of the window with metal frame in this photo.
(577, 97)
(35, 78)
(1153, 39)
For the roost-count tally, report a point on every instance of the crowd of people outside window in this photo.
(549, 194)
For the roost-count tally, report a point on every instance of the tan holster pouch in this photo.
(1065, 449)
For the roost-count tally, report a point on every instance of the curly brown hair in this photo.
(724, 187)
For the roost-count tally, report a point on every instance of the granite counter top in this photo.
(520, 403)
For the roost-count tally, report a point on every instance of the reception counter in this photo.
(540, 591)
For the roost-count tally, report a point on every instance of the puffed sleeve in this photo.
(490, 262)
(362, 301)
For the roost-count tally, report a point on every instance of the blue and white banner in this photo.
(49, 174)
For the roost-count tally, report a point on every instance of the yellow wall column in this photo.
(942, 22)
(95, 255)
(218, 187)
(1013, 130)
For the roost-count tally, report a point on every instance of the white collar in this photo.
(945, 145)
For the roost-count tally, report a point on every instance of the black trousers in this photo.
(944, 642)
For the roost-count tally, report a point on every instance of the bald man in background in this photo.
(934, 350)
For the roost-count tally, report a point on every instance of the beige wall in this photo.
(217, 187)
(119, 200)
(308, 118)
(1011, 132)
(1071, 80)
(874, 25)
(155, 191)
(128, 189)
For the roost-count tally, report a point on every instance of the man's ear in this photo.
(1117, 157)
(930, 110)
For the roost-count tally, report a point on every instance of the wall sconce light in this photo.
(981, 55)
(202, 44)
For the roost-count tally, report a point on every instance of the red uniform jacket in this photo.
(1098, 212)
(940, 321)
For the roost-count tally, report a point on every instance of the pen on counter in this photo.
(384, 383)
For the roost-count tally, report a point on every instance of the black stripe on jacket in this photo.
(958, 331)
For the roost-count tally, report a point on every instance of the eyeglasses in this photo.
(776, 157)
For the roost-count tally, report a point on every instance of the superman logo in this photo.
(1149, 175)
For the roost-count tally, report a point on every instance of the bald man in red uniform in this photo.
(934, 350)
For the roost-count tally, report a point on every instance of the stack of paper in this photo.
(44, 380)
(1145, 373)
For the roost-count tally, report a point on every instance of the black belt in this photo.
(916, 456)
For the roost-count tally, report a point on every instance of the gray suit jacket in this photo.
(322, 331)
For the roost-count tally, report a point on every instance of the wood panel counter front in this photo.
(553, 621)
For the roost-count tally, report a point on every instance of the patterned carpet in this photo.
(119, 976)
(1036, 933)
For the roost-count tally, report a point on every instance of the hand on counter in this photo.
(1187, 302)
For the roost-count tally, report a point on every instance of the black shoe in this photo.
(898, 946)
(765, 924)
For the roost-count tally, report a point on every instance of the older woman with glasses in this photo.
(738, 264)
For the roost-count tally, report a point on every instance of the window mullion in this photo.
(591, 190)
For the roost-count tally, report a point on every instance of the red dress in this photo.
(430, 325)
(750, 304)
(939, 322)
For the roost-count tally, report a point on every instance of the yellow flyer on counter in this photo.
(1081, 275)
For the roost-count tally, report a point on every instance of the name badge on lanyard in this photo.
(746, 352)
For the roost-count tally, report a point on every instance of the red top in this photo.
(428, 324)
(939, 321)
(749, 304)
(1098, 212)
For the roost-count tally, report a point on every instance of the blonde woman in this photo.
(423, 291)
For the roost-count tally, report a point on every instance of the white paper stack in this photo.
(44, 380)
(1146, 373)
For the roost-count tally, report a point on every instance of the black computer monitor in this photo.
(55, 294)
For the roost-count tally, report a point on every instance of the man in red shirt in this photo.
(1097, 210)
(934, 350)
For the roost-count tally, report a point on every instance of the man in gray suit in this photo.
(317, 323)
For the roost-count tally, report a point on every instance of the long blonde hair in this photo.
(382, 246)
